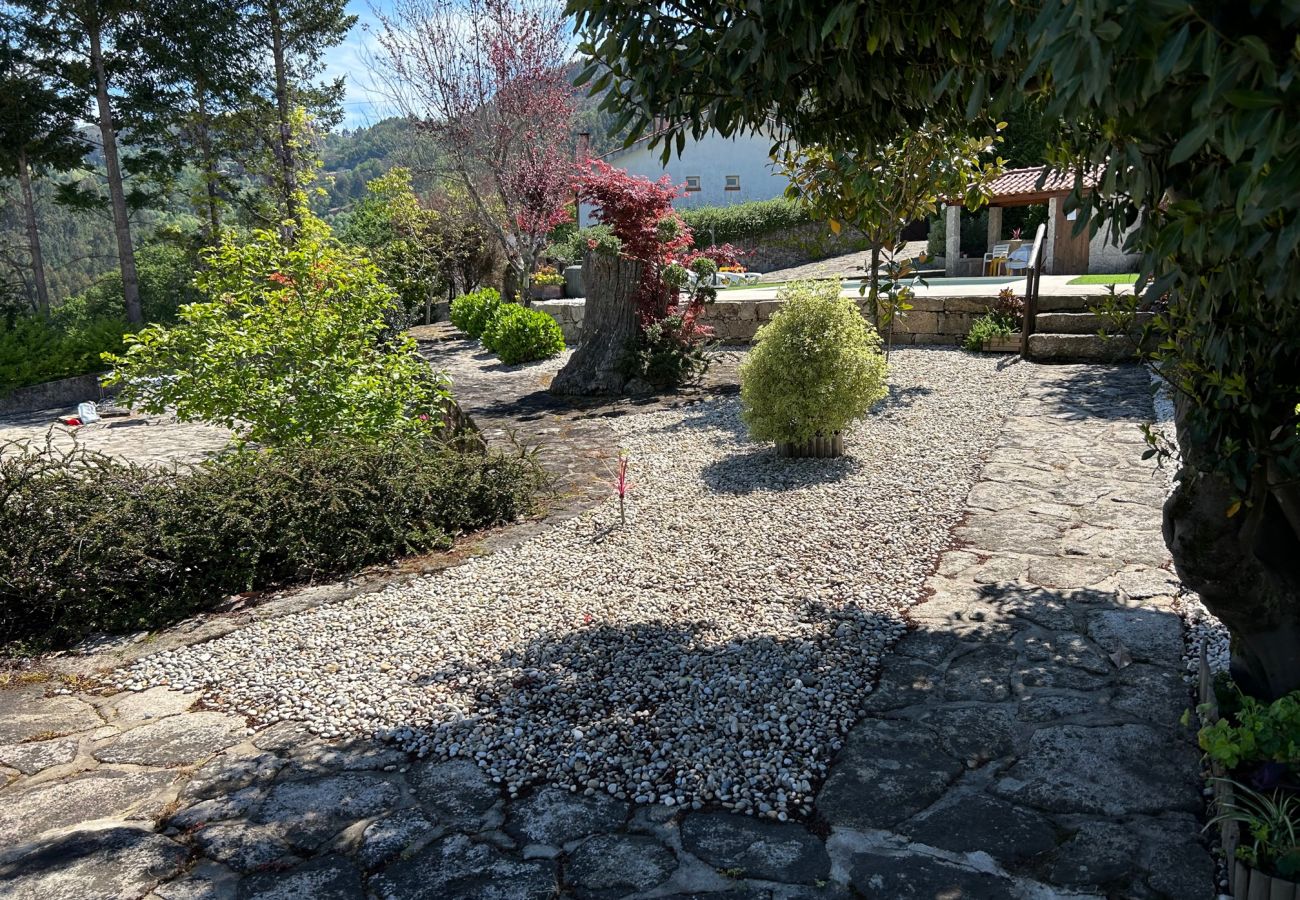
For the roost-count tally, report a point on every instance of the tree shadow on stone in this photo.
(1102, 391)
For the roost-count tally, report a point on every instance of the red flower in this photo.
(280, 278)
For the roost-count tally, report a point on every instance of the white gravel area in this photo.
(713, 650)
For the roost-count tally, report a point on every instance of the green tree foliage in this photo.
(1186, 110)
(815, 367)
(403, 239)
(880, 189)
(289, 346)
(166, 269)
(38, 133)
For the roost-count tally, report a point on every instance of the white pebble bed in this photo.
(713, 650)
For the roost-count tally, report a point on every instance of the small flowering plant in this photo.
(622, 485)
(546, 276)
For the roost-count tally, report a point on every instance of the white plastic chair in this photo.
(996, 258)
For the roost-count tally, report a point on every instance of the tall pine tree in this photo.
(38, 133)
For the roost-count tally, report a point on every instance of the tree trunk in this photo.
(116, 191)
(608, 326)
(284, 147)
(33, 236)
(1245, 567)
(872, 289)
(211, 201)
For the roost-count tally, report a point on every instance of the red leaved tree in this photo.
(486, 79)
(632, 283)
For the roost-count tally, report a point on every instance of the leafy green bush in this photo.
(720, 224)
(291, 346)
(166, 272)
(519, 335)
(1256, 733)
(100, 545)
(669, 353)
(33, 350)
(815, 367)
(988, 327)
(472, 312)
(574, 244)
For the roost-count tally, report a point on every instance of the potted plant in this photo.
(546, 284)
(1253, 750)
(815, 367)
(998, 330)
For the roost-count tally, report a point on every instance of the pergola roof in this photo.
(1020, 187)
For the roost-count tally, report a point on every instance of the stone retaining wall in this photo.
(66, 392)
(932, 321)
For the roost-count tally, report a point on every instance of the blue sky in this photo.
(364, 104)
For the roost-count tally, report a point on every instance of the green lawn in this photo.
(1105, 279)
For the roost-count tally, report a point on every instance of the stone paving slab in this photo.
(1023, 742)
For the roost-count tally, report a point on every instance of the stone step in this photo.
(1076, 322)
(1064, 303)
(1079, 348)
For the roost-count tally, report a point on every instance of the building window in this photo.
(733, 182)
(692, 182)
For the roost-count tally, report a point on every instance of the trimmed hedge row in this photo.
(515, 333)
(724, 224)
(94, 544)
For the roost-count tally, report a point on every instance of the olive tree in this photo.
(1186, 108)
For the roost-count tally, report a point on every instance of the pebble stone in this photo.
(713, 650)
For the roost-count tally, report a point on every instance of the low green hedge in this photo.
(33, 350)
(472, 312)
(520, 335)
(99, 545)
(724, 224)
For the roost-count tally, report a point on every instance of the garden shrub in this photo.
(988, 327)
(34, 349)
(518, 335)
(472, 312)
(101, 545)
(290, 346)
(669, 353)
(815, 367)
(721, 224)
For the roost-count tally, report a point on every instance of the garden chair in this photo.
(995, 260)
(1018, 260)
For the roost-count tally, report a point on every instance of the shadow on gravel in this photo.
(1083, 777)
(761, 471)
(900, 398)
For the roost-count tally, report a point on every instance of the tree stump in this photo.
(608, 325)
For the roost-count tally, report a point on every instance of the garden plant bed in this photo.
(676, 660)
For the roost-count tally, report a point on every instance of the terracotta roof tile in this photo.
(1016, 182)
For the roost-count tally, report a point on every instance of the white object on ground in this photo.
(87, 412)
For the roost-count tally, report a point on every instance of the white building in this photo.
(716, 170)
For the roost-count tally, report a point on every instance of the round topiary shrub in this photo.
(472, 312)
(519, 335)
(815, 367)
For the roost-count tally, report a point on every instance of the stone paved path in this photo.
(143, 439)
(1023, 742)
